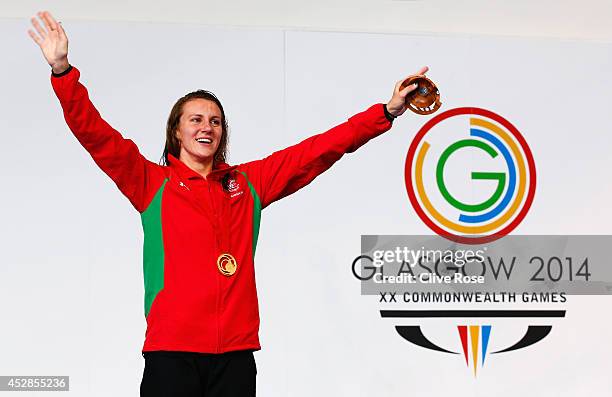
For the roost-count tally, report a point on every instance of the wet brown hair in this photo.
(173, 146)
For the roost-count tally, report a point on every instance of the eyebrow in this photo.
(199, 115)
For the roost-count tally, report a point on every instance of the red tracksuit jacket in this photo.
(188, 221)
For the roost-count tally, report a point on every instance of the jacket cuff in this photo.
(388, 115)
(65, 72)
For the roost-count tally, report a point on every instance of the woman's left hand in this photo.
(397, 104)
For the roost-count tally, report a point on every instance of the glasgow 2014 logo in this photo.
(471, 178)
(499, 197)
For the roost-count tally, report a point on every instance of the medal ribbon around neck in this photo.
(226, 263)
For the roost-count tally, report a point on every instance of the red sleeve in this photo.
(288, 170)
(137, 178)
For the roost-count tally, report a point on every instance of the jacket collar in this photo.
(184, 172)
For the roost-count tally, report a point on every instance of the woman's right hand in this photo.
(52, 41)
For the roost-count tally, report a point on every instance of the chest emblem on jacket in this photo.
(233, 187)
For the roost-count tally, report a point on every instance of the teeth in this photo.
(204, 140)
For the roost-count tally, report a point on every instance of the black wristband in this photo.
(388, 115)
(65, 72)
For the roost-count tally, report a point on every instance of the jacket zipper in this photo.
(218, 294)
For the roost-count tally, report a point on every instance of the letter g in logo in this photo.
(499, 210)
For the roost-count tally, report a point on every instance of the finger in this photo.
(398, 85)
(423, 70)
(420, 72)
(35, 37)
(43, 17)
(50, 20)
(407, 90)
(39, 29)
(61, 30)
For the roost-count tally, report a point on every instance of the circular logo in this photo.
(470, 175)
(226, 264)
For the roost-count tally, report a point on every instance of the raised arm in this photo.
(137, 178)
(288, 170)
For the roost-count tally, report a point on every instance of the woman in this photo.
(201, 221)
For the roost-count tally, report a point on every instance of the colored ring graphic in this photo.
(480, 231)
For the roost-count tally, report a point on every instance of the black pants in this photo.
(183, 374)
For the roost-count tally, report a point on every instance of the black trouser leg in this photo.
(183, 374)
(232, 375)
(171, 374)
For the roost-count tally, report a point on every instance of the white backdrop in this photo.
(71, 285)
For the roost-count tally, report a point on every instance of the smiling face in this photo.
(199, 131)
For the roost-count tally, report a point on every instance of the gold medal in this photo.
(227, 264)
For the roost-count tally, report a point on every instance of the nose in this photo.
(206, 126)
